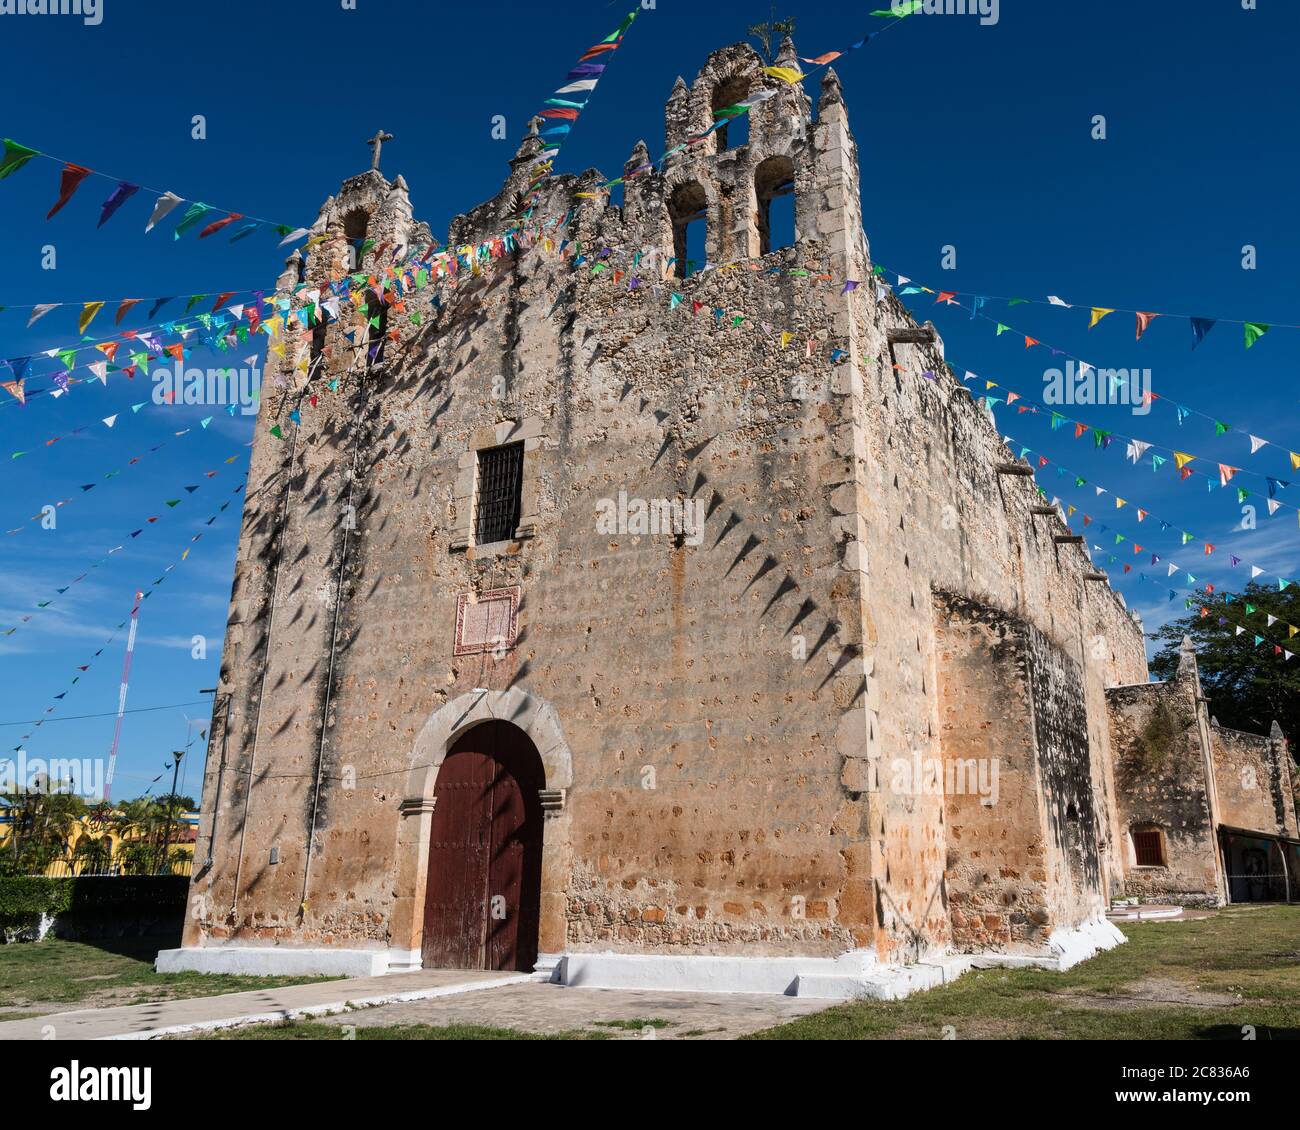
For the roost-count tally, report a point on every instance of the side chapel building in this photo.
(493, 697)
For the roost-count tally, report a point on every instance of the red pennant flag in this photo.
(1144, 320)
(122, 310)
(1079, 429)
(177, 351)
(220, 224)
(945, 296)
(1031, 341)
(220, 302)
(73, 175)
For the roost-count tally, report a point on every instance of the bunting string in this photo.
(948, 298)
(1136, 449)
(81, 669)
(169, 504)
(16, 156)
(86, 488)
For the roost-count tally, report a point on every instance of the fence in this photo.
(89, 868)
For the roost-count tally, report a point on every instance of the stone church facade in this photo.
(578, 628)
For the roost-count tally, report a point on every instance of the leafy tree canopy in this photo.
(1249, 684)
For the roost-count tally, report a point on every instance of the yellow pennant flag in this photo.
(785, 74)
(88, 312)
(1295, 461)
(786, 338)
(1120, 503)
(1182, 459)
(1098, 312)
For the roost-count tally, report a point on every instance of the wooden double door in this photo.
(482, 903)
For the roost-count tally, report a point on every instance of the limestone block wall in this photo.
(1252, 775)
(1161, 782)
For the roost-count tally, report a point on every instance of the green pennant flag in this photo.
(1220, 428)
(16, 156)
(275, 431)
(1254, 331)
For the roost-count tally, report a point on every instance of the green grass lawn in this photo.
(81, 974)
(1203, 979)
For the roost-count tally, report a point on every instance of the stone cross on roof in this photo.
(377, 144)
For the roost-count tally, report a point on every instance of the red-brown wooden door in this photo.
(485, 854)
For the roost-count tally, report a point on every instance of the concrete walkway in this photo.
(546, 1009)
(197, 1014)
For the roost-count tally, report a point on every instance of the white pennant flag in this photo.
(1273, 505)
(1239, 631)
(1256, 443)
(100, 369)
(1271, 620)
(1136, 449)
(294, 236)
(166, 202)
(1255, 571)
(1172, 568)
(39, 312)
(1058, 302)
(109, 421)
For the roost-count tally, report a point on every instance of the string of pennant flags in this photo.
(83, 668)
(1136, 449)
(169, 504)
(1172, 570)
(169, 399)
(1200, 326)
(223, 328)
(560, 111)
(906, 287)
(1143, 513)
(16, 156)
(86, 488)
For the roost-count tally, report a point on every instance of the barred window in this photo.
(1147, 848)
(500, 485)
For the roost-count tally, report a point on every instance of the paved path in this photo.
(543, 1008)
(145, 1021)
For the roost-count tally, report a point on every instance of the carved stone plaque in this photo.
(487, 621)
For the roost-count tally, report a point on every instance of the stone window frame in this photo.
(531, 432)
(1159, 833)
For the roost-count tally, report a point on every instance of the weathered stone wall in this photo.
(996, 867)
(1251, 773)
(730, 705)
(1161, 782)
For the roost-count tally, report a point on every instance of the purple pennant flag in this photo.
(1236, 561)
(120, 195)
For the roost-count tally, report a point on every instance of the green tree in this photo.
(1248, 683)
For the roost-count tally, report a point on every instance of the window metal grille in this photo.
(500, 485)
(1146, 848)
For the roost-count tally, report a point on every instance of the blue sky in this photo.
(974, 137)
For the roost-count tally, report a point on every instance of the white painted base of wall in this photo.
(857, 975)
(276, 961)
(1078, 943)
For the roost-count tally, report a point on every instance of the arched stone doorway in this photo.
(483, 893)
(538, 722)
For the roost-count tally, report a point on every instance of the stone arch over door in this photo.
(539, 722)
